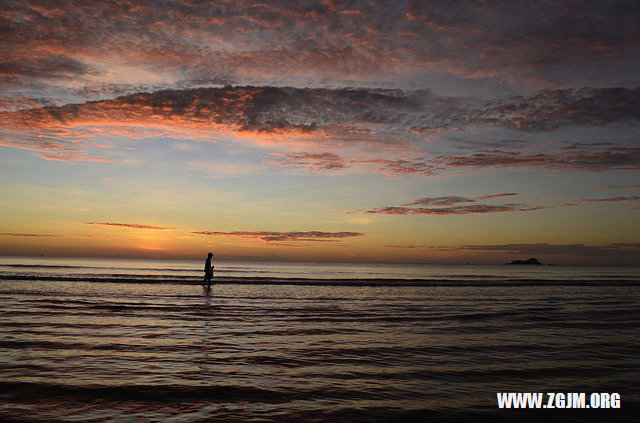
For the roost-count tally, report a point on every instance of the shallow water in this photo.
(350, 274)
(74, 350)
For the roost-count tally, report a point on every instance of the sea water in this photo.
(141, 339)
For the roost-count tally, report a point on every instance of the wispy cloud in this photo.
(315, 236)
(591, 159)
(575, 203)
(455, 210)
(440, 201)
(73, 157)
(129, 225)
(451, 205)
(72, 236)
(408, 247)
(609, 200)
(312, 236)
(311, 161)
(623, 186)
(331, 162)
(454, 199)
(224, 169)
(500, 195)
(393, 167)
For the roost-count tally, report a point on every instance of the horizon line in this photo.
(289, 260)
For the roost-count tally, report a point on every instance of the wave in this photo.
(156, 393)
(164, 393)
(381, 282)
(114, 268)
(145, 402)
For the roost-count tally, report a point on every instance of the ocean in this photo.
(105, 339)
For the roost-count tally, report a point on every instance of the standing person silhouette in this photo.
(208, 271)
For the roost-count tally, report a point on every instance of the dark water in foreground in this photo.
(78, 350)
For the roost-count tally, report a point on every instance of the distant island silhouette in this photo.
(530, 261)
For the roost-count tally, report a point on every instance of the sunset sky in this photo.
(392, 131)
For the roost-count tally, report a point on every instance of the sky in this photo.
(364, 131)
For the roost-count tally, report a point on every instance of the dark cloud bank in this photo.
(364, 116)
(526, 40)
(281, 108)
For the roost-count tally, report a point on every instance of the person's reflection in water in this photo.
(206, 293)
(207, 343)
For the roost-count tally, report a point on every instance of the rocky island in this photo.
(530, 261)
